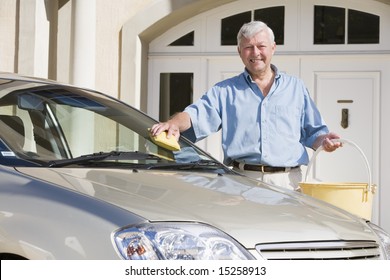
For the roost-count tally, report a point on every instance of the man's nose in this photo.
(256, 50)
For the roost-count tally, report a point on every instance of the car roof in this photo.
(15, 76)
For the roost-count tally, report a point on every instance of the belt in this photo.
(262, 168)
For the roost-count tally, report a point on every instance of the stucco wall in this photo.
(8, 35)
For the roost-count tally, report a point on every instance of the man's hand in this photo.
(326, 142)
(179, 122)
(171, 129)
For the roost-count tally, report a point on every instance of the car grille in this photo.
(333, 250)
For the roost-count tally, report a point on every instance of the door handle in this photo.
(344, 118)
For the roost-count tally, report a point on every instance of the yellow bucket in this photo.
(355, 198)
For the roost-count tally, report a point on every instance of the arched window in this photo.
(272, 16)
(186, 40)
(334, 25)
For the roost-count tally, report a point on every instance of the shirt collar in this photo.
(273, 67)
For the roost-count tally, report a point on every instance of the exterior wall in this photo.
(109, 38)
(8, 33)
(89, 42)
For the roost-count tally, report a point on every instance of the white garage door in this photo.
(348, 88)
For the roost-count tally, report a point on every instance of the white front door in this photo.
(348, 90)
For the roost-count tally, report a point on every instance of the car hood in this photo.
(245, 209)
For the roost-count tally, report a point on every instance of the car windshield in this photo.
(52, 125)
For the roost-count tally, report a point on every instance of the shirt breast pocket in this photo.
(287, 120)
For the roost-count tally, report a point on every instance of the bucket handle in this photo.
(309, 166)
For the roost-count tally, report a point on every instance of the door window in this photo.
(272, 16)
(176, 93)
(363, 28)
(230, 27)
(186, 40)
(330, 26)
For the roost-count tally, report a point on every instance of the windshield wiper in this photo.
(114, 155)
(200, 164)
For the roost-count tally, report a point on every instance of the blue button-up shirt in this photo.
(271, 130)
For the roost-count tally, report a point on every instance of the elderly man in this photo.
(267, 117)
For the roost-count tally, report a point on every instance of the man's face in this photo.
(256, 52)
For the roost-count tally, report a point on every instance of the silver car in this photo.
(81, 178)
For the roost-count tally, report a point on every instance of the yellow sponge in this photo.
(164, 142)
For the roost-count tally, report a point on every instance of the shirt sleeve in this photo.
(205, 114)
(313, 124)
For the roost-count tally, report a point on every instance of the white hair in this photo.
(250, 29)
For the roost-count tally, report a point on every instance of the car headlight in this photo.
(177, 241)
(384, 238)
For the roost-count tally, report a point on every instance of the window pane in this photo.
(274, 18)
(176, 91)
(186, 40)
(329, 25)
(231, 26)
(363, 28)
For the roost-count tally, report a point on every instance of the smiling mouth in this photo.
(253, 60)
